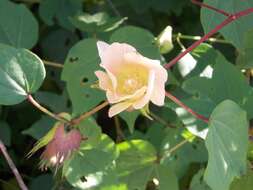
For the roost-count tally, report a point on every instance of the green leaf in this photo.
(130, 118)
(91, 131)
(180, 160)
(245, 58)
(144, 155)
(5, 133)
(199, 104)
(235, 31)
(63, 42)
(227, 82)
(21, 73)
(78, 72)
(227, 145)
(18, 26)
(42, 182)
(139, 38)
(164, 6)
(198, 183)
(243, 183)
(166, 178)
(59, 10)
(40, 128)
(57, 103)
(87, 168)
(99, 22)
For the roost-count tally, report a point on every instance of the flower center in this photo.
(131, 77)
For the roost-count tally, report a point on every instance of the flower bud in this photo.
(164, 40)
(60, 147)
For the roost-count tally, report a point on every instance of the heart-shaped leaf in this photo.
(21, 73)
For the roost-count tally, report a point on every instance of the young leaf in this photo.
(21, 73)
(18, 26)
(227, 145)
(99, 22)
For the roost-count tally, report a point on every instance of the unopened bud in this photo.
(164, 40)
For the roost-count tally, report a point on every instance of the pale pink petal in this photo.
(143, 101)
(113, 56)
(151, 64)
(102, 47)
(119, 107)
(158, 94)
(105, 82)
(136, 95)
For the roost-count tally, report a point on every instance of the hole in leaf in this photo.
(194, 146)
(87, 95)
(83, 179)
(85, 80)
(73, 59)
(68, 103)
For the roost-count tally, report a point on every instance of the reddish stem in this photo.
(230, 19)
(181, 104)
(13, 167)
(211, 8)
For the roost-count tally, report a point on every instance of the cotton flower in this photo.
(60, 147)
(130, 79)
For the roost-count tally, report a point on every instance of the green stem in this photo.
(176, 147)
(44, 110)
(196, 38)
(160, 120)
(120, 134)
(77, 120)
(53, 64)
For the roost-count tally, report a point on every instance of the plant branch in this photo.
(181, 104)
(77, 120)
(196, 38)
(12, 166)
(227, 21)
(53, 64)
(211, 8)
(176, 147)
(120, 134)
(160, 120)
(44, 110)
